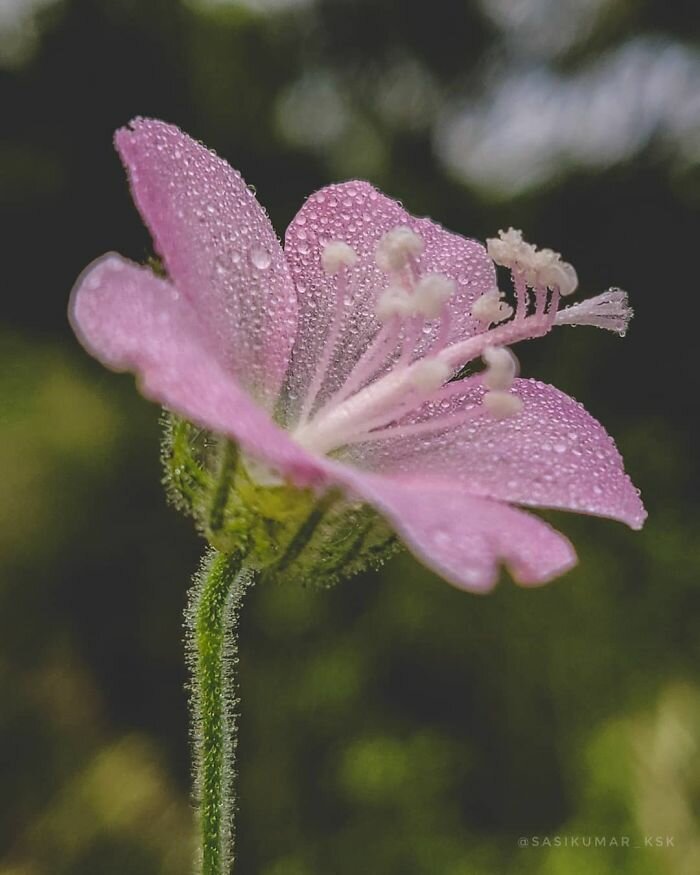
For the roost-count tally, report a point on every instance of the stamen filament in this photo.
(521, 294)
(540, 300)
(443, 332)
(412, 329)
(416, 428)
(334, 424)
(383, 344)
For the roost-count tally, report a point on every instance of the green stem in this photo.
(212, 617)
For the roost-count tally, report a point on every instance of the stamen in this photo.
(522, 295)
(551, 314)
(355, 410)
(394, 301)
(413, 429)
(397, 374)
(426, 377)
(431, 293)
(382, 421)
(396, 248)
(370, 361)
(429, 374)
(411, 334)
(501, 367)
(509, 249)
(501, 404)
(540, 267)
(444, 332)
(340, 423)
(491, 308)
(336, 255)
(610, 310)
(540, 300)
(427, 299)
(545, 268)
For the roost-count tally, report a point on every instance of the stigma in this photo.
(611, 311)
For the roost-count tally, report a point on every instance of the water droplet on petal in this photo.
(260, 257)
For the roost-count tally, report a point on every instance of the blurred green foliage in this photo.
(391, 724)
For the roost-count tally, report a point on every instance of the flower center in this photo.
(396, 374)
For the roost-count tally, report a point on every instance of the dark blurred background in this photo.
(392, 725)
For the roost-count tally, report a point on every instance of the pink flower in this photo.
(331, 361)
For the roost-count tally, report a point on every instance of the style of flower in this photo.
(340, 360)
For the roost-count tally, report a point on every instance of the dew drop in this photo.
(260, 258)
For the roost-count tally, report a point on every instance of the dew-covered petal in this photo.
(359, 215)
(131, 320)
(551, 454)
(218, 248)
(462, 537)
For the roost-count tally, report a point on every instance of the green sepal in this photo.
(290, 534)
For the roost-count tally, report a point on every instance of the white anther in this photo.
(610, 310)
(431, 293)
(336, 255)
(501, 405)
(537, 266)
(509, 249)
(540, 267)
(430, 374)
(547, 269)
(397, 247)
(491, 308)
(501, 367)
(393, 301)
(562, 276)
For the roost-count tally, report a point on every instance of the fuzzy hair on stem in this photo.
(211, 622)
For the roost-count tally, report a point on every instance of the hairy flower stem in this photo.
(212, 618)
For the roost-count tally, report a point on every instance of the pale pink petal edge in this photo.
(132, 320)
(464, 538)
(207, 226)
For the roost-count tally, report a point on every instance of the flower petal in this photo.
(359, 215)
(132, 320)
(551, 454)
(461, 537)
(218, 247)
